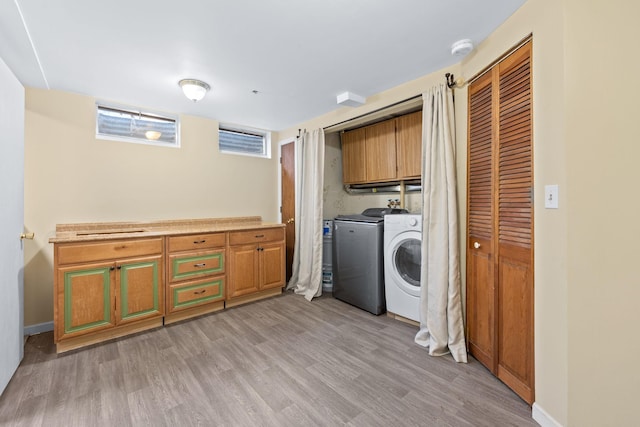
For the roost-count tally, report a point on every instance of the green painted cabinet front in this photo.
(140, 289)
(102, 295)
(105, 289)
(85, 299)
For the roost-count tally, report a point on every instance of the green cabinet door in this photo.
(140, 289)
(86, 301)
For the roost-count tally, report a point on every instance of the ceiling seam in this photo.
(33, 46)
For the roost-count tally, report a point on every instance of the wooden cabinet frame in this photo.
(386, 151)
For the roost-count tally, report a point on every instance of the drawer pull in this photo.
(197, 242)
(202, 291)
(258, 236)
(200, 265)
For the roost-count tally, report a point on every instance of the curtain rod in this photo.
(373, 112)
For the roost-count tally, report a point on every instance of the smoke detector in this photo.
(461, 47)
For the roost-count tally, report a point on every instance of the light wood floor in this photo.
(278, 362)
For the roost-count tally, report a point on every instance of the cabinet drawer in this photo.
(255, 236)
(193, 294)
(194, 242)
(188, 266)
(100, 251)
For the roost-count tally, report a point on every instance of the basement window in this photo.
(130, 125)
(244, 141)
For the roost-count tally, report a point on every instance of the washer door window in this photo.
(406, 263)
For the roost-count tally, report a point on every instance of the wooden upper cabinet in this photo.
(353, 157)
(381, 151)
(409, 145)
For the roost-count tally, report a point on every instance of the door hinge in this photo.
(280, 209)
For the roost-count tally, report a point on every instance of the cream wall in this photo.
(70, 176)
(603, 148)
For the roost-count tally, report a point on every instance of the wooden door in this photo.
(380, 153)
(515, 224)
(271, 271)
(140, 289)
(85, 300)
(481, 290)
(244, 270)
(500, 222)
(353, 157)
(409, 145)
(288, 214)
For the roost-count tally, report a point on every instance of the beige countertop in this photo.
(81, 232)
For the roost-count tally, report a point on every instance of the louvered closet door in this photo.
(515, 225)
(480, 265)
(500, 222)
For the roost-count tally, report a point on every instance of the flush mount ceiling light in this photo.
(461, 47)
(194, 89)
(153, 135)
(350, 99)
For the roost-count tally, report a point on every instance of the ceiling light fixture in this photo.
(350, 99)
(461, 47)
(153, 135)
(194, 89)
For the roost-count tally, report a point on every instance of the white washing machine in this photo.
(402, 261)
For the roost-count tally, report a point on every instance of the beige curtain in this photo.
(441, 324)
(306, 276)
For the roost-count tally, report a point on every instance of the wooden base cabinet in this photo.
(256, 264)
(112, 286)
(107, 289)
(196, 275)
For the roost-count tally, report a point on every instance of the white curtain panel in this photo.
(306, 276)
(441, 324)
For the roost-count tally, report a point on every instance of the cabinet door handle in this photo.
(119, 267)
(197, 242)
(259, 249)
(111, 268)
(259, 236)
(199, 292)
(200, 265)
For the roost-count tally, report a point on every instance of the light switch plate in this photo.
(551, 196)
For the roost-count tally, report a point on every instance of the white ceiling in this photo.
(299, 54)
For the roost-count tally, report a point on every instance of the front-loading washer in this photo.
(402, 263)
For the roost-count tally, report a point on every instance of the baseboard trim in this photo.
(541, 416)
(38, 329)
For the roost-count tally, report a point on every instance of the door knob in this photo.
(476, 245)
(28, 236)
(290, 221)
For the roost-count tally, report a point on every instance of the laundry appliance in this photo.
(402, 263)
(358, 258)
